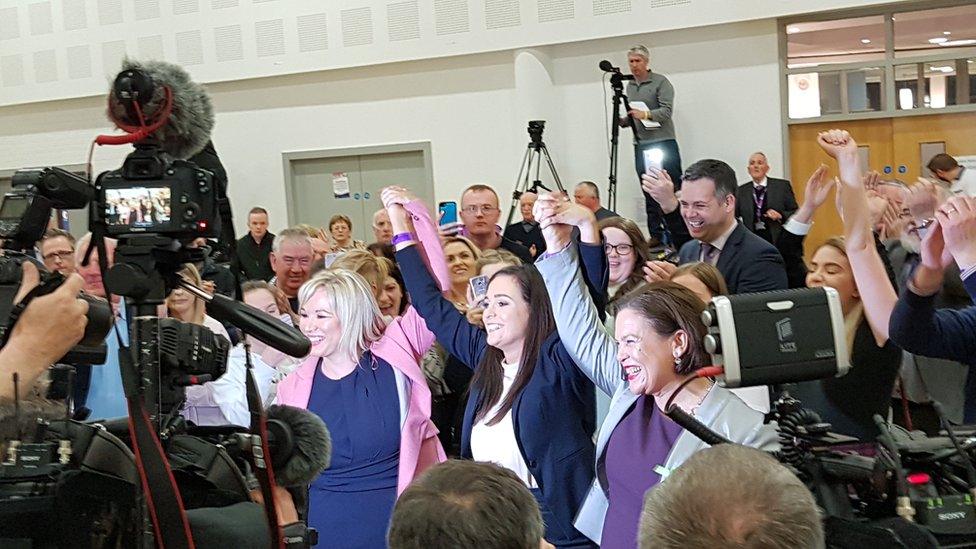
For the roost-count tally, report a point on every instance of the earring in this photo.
(677, 361)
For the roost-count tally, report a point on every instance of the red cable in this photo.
(709, 371)
(142, 131)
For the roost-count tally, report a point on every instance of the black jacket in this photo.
(779, 197)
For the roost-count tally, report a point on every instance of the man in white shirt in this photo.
(960, 180)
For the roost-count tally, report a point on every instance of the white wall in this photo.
(727, 105)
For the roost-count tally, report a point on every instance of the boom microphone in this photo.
(158, 100)
(607, 66)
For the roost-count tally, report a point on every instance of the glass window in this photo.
(907, 91)
(829, 42)
(864, 89)
(933, 32)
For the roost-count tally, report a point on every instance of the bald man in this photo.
(527, 232)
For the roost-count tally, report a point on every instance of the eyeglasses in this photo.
(62, 256)
(303, 262)
(621, 249)
(484, 209)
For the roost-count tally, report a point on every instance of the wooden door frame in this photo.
(288, 157)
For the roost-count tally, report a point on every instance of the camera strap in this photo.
(169, 520)
(261, 458)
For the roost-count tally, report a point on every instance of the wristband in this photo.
(401, 238)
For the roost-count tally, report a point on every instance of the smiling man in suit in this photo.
(764, 203)
(707, 208)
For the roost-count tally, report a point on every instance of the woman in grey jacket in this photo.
(657, 348)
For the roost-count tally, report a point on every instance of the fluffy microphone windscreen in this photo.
(312, 446)
(191, 119)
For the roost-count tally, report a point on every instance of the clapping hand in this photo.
(957, 218)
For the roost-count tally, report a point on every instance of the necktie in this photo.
(709, 253)
(760, 200)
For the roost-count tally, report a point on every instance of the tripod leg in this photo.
(521, 184)
(552, 168)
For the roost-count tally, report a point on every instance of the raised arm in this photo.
(453, 331)
(878, 299)
(580, 330)
(658, 185)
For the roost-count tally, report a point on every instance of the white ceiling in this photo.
(913, 30)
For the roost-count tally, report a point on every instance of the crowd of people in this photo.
(491, 386)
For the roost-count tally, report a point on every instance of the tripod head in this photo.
(535, 129)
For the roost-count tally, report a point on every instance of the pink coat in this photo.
(403, 344)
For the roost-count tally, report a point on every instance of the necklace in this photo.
(702, 398)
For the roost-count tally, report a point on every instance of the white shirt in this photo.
(966, 184)
(760, 183)
(224, 400)
(496, 443)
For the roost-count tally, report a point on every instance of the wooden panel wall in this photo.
(892, 142)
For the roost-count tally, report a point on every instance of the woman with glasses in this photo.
(627, 253)
(657, 350)
(530, 408)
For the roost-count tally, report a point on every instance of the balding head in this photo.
(526, 202)
(587, 194)
(382, 227)
(758, 166)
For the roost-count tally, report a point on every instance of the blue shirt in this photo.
(106, 398)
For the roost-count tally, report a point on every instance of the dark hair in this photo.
(669, 307)
(541, 324)
(382, 250)
(641, 251)
(707, 274)
(466, 504)
(592, 187)
(721, 173)
(257, 210)
(942, 162)
(394, 273)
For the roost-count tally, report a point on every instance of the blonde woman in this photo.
(363, 378)
(182, 305)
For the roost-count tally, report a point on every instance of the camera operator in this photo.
(57, 250)
(47, 329)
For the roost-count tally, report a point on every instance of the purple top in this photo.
(639, 443)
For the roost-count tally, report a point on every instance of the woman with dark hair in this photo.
(530, 409)
(627, 253)
(652, 362)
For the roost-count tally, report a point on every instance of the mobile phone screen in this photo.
(653, 159)
(448, 212)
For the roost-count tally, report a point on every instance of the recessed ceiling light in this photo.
(865, 40)
(938, 40)
(967, 42)
(941, 69)
(792, 30)
(947, 33)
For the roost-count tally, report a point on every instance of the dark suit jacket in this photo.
(779, 197)
(604, 213)
(516, 231)
(748, 263)
(555, 414)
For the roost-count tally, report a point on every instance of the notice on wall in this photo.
(340, 184)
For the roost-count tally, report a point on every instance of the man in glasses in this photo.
(58, 251)
(479, 215)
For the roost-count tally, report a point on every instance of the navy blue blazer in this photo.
(554, 416)
(748, 263)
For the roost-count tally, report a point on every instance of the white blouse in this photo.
(496, 443)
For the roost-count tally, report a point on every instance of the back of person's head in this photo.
(311, 231)
(942, 162)
(705, 273)
(352, 301)
(667, 308)
(716, 170)
(381, 249)
(367, 265)
(497, 256)
(730, 496)
(466, 504)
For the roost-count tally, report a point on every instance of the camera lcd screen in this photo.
(13, 207)
(142, 207)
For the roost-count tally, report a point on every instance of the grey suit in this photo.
(595, 353)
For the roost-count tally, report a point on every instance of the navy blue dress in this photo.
(351, 502)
